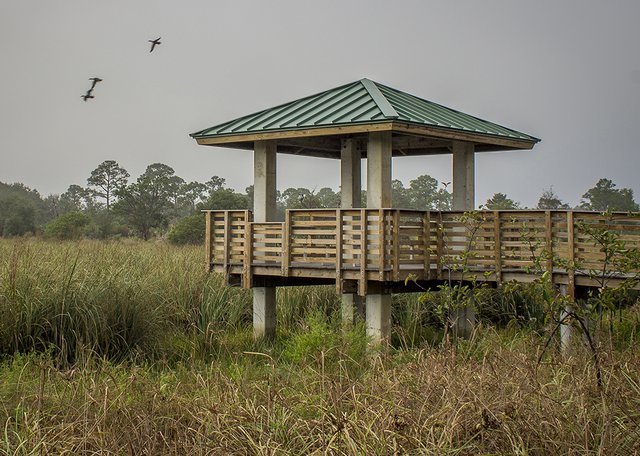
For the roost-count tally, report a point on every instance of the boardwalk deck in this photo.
(358, 247)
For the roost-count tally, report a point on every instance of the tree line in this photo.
(161, 203)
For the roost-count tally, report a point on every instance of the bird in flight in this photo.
(87, 95)
(154, 43)
(95, 81)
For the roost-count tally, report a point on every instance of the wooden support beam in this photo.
(426, 241)
(227, 241)
(396, 245)
(362, 284)
(339, 251)
(208, 233)
(286, 243)
(572, 254)
(548, 223)
(248, 253)
(497, 239)
(382, 241)
(439, 246)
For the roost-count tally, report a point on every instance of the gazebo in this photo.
(366, 252)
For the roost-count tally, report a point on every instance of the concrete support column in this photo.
(350, 193)
(379, 317)
(264, 210)
(463, 176)
(464, 200)
(378, 305)
(379, 169)
(566, 330)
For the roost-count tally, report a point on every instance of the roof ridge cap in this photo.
(379, 99)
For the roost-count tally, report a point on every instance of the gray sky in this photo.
(564, 71)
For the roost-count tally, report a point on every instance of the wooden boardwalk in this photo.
(360, 248)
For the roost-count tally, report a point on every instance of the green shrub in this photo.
(189, 230)
(71, 225)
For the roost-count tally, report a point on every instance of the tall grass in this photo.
(132, 348)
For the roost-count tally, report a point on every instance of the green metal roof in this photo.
(360, 102)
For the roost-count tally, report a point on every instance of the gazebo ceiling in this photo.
(315, 125)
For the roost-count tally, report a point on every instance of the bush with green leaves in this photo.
(71, 225)
(189, 230)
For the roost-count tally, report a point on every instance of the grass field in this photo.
(132, 348)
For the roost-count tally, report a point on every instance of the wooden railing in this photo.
(394, 244)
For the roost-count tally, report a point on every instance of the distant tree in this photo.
(106, 180)
(326, 197)
(604, 196)
(225, 199)
(191, 194)
(400, 196)
(215, 183)
(549, 200)
(499, 201)
(17, 215)
(75, 199)
(426, 193)
(147, 203)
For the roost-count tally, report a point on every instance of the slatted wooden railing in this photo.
(393, 244)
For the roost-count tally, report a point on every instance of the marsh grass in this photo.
(132, 348)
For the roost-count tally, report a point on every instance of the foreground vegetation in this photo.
(132, 348)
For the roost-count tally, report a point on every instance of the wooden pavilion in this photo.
(370, 252)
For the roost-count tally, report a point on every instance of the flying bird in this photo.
(154, 43)
(87, 95)
(95, 81)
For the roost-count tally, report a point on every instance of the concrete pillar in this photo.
(264, 210)
(350, 173)
(566, 330)
(378, 304)
(350, 192)
(379, 317)
(463, 176)
(464, 200)
(379, 169)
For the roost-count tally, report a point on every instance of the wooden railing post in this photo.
(362, 285)
(396, 245)
(286, 243)
(548, 223)
(227, 241)
(439, 245)
(338, 251)
(572, 254)
(208, 218)
(497, 237)
(381, 230)
(248, 253)
(426, 241)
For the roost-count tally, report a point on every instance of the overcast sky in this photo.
(567, 72)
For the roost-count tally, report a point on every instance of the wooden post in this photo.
(381, 237)
(548, 223)
(572, 252)
(396, 245)
(286, 243)
(208, 216)
(362, 285)
(426, 241)
(227, 240)
(248, 253)
(497, 238)
(439, 246)
(339, 256)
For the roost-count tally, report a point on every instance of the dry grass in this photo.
(190, 379)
